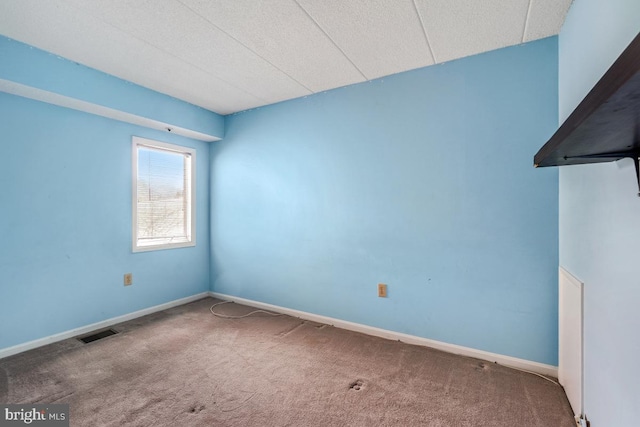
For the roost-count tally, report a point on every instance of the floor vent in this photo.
(97, 336)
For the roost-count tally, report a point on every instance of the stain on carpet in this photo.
(194, 409)
(481, 366)
(356, 385)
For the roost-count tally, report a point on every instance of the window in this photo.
(163, 195)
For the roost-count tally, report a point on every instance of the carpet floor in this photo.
(186, 367)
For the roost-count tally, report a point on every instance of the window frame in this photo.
(191, 194)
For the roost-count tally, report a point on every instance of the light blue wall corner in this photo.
(65, 223)
(599, 220)
(32, 67)
(422, 180)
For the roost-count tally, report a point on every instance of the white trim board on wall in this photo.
(41, 95)
(571, 338)
(509, 361)
(10, 351)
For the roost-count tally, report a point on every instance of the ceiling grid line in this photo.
(247, 47)
(526, 22)
(174, 56)
(424, 31)
(331, 40)
(233, 55)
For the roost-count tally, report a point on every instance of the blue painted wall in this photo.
(599, 220)
(33, 67)
(65, 223)
(422, 180)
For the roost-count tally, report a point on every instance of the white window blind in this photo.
(163, 202)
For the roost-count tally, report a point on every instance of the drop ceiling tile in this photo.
(466, 27)
(56, 27)
(200, 89)
(231, 55)
(283, 34)
(546, 18)
(381, 37)
(175, 29)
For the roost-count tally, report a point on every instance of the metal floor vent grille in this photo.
(97, 336)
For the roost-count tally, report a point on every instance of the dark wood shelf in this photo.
(606, 124)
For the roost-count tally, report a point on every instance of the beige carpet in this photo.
(185, 367)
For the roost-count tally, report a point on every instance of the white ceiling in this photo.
(232, 55)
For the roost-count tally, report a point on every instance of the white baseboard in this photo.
(513, 362)
(10, 351)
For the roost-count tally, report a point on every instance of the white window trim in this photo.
(144, 142)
